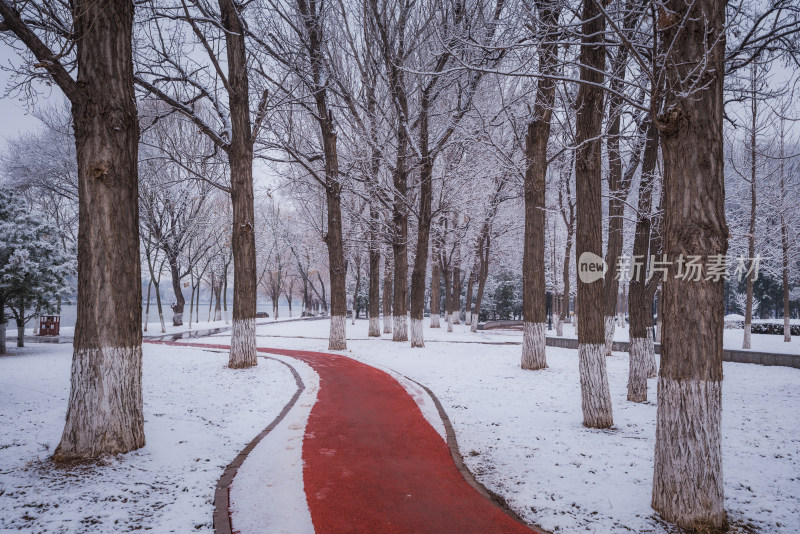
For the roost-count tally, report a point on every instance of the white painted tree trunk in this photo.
(746, 342)
(468, 317)
(374, 327)
(243, 344)
(533, 346)
(474, 324)
(456, 317)
(559, 327)
(688, 454)
(595, 395)
(163, 326)
(638, 369)
(400, 328)
(652, 369)
(105, 413)
(417, 337)
(449, 322)
(609, 323)
(435, 320)
(787, 329)
(337, 340)
(387, 324)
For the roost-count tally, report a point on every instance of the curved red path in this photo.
(373, 463)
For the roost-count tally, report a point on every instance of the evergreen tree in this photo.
(33, 265)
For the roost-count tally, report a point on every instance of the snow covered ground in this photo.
(198, 415)
(732, 339)
(521, 431)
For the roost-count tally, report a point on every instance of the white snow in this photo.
(267, 493)
(198, 415)
(732, 339)
(521, 434)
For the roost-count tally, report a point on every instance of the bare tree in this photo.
(687, 480)
(169, 75)
(596, 399)
(105, 407)
(533, 268)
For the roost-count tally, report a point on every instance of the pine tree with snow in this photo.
(33, 265)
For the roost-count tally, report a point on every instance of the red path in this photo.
(373, 463)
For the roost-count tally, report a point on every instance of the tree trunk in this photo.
(160, 309)
(751, 238)
(640, 306)
(218, 299)
(105, 406)
(356, 308)
(448, 296)
(534, 305)
(400, 252)
(240, 157)
(618, 184)
(419, 273)
(180, 301)
(787, 327)
(455, 294)
(374, 284)
(483, 274)
(436, 281)
(21, 323)
(687, 479)
(566, 275)
(337, 339)
(387, 294)
(147, 309)
(596, 399)
(468, 303)
(785, 263)
(3, 326)
(225, 295)
(312, 19)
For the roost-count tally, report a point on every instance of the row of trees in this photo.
(435, 137)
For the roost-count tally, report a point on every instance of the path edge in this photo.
(458, 459)
(222, 513)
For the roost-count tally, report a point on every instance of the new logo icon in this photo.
(591, 267)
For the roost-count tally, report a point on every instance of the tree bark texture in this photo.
(436, 280)
(312, 17)
(687, 480)
(419, 273)
(618, 183)
(105, 405)
(639, 304)
(595, 396)
(240, 157)
(374, 280)
(387, 294)
(533, 271)
(483, 274)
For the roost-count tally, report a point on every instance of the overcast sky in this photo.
(14, 118)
